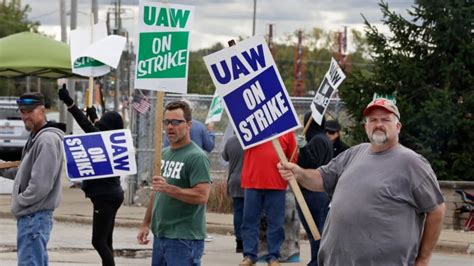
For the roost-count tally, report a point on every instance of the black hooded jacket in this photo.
(104, 188)
(318, 150)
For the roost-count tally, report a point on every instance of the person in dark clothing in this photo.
(106, 194)
(234, 154)
(318, 151)
(332, 130)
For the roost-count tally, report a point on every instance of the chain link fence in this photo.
(143, 131)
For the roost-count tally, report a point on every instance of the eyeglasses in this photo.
(173, 122)
(27, 101)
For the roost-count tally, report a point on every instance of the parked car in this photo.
(13, 135)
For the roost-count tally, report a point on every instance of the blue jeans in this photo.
(318, 205)
(272, 203)
(33, 232)
(176, 252)
(238, 204)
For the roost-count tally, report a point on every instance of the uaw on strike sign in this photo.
(99, 155)
(163, 53)
(332, 79)
(253, 92)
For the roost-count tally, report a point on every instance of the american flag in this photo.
(141, 104)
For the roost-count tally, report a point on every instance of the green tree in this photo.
(428, 62)
(199, 79)
(14, 18)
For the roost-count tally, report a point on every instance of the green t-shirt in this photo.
(184, 167)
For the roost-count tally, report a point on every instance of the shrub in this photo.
(219, 200)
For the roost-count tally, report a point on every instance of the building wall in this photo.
(453, 219)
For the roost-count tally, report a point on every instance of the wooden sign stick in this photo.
(90, 93)
(11, 164)
(160, 95)
(298, 195)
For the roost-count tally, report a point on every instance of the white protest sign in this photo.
(99, 155)
(332, 79)
(93, 52)
(215, 110)
(163, 46)
(254, 95)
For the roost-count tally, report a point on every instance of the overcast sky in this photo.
(221, 20)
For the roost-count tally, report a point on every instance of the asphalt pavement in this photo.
(71, 236)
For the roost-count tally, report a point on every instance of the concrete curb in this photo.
(454, 247)
(225, 229)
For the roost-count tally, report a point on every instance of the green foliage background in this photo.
(428, 62)
(426, 59)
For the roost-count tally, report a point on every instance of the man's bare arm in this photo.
(431, 231)
(199, 194)
(144, 229)
(308, 178)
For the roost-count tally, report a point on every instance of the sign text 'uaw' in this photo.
(163, 46)
(246, 77)
(99, 155)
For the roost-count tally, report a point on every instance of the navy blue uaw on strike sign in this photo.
(99, 155)
(254, 95)
(260, 109)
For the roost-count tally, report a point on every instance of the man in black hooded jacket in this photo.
(318, 151)
(106, 194)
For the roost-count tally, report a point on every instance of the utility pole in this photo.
(118, 23)
(71, 83)
(254, 16)
(270, 40)
(95, 10)
(63, 23)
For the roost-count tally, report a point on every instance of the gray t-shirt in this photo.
(379, 202)
(234, 154)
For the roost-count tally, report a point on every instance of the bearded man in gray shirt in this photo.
(386, 208)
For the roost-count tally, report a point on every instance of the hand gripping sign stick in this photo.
(294, 185)
(298, 195)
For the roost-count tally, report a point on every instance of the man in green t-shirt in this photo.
(176, 211)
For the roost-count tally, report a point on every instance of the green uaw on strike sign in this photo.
(163, 49)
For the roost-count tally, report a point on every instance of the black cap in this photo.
(30, 100)
(332, 125)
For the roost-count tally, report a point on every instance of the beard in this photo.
(378, 137)
(28, 126)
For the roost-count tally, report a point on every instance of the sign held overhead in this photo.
(163, 46)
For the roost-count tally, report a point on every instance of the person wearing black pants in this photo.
(318, 151)
(106, 194)
(103, 227)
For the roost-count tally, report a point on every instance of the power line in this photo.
(45, 14)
